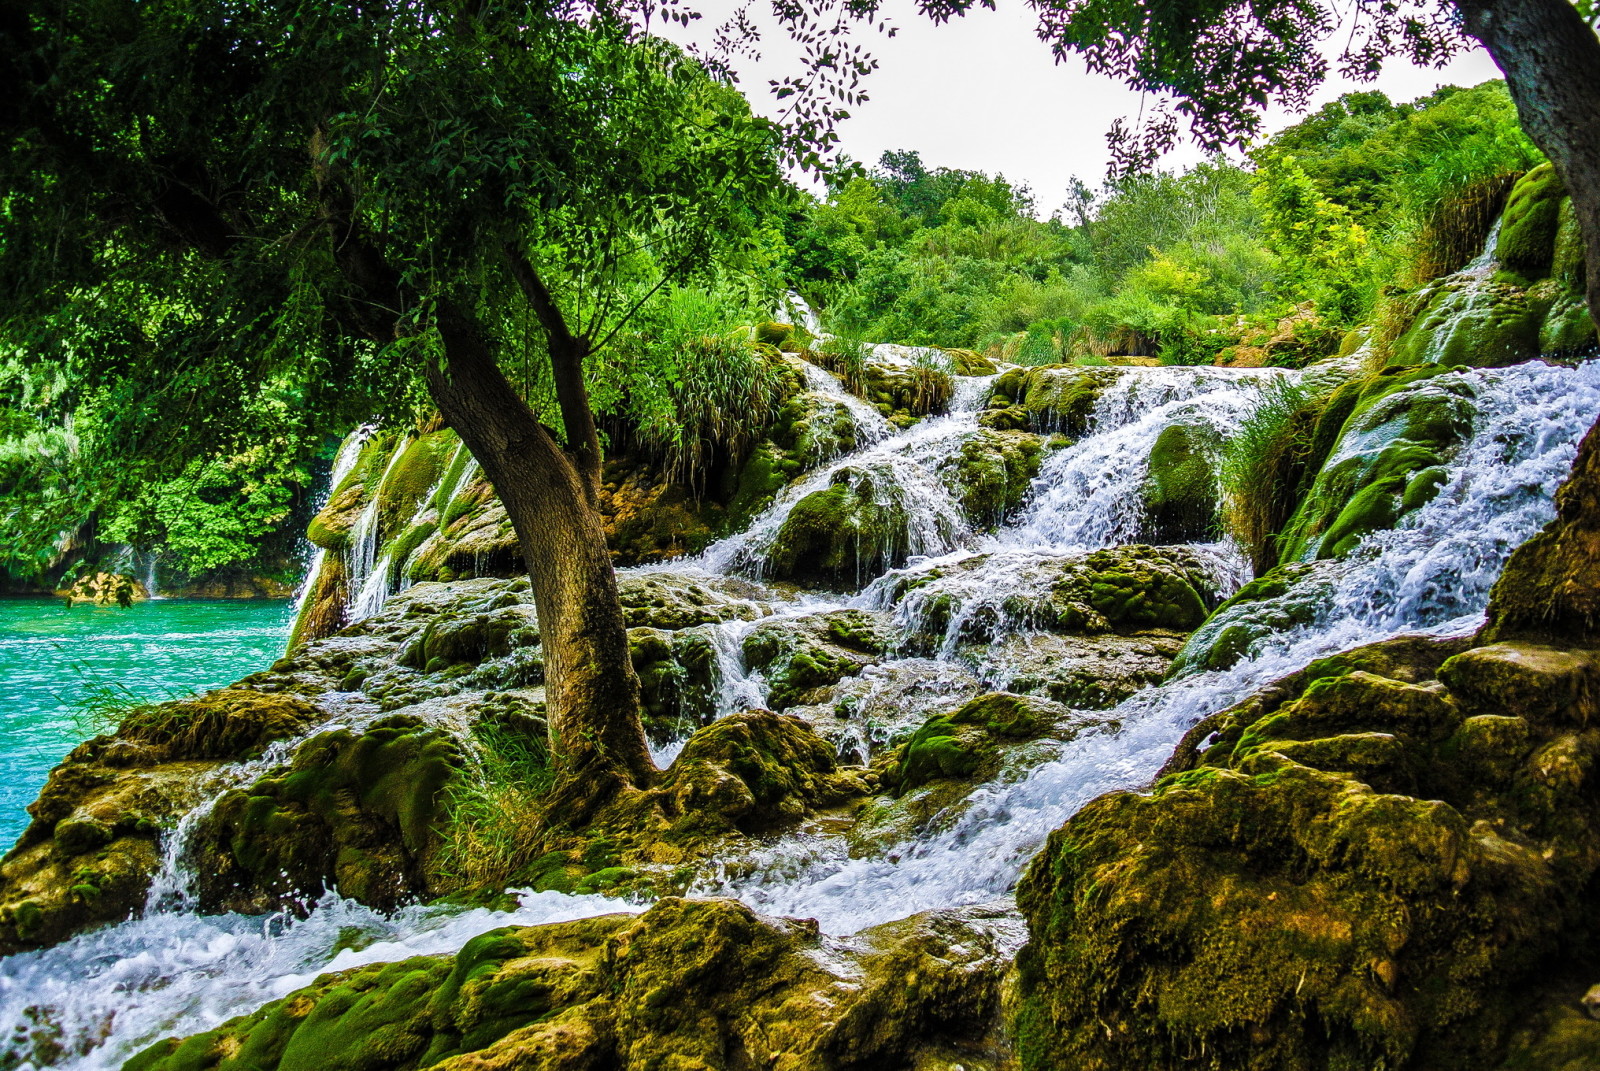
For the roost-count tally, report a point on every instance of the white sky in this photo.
(983, 93)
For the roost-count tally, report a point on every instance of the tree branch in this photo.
(567, 352)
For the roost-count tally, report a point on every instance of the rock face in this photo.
(1358, 867)
(1532, 306)
(93, 845)
(1387, 458)
(688, 984)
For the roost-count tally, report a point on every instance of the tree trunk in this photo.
(597, 740)
(1550, 589)
(1551, 60)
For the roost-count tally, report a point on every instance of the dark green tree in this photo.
(380, 201)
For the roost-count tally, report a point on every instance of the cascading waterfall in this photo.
(371, 577)
(1432, 572)
(109, 993)
(343, 462)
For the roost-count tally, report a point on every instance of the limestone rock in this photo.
(688, 984)
(1348, 869)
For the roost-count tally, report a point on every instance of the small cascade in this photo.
(343, 462)
(151, 588)
(870, 425)
(1089, 495)
(371, 577)
(898, 474)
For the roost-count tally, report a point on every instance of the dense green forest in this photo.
(1272, 258)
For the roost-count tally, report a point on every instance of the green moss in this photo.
(1356, 875)
(1403, 426)
(359, 812)
(993, 472)
(840, 534)
(1180, 492)
(1528, 226)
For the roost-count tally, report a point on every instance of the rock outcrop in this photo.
(688, 984)
(1358, 867)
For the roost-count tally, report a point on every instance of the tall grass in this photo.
(496, 808)
(1267, 466)
(687, 387)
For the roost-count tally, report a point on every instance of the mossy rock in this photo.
(962, 745)
(1529, 223)
(1133, 589)
(1387, 460)
(1280, 601)
(992, 473)
(1093, 672)
(1350, 870)
(803, 657)
(674, 601)
(752, 772)
(842, 535)
(686, 984)
(1054, 398)
(359, 812)
(1479, 323)
(677, 680)
(89, 853)
(1180, 491)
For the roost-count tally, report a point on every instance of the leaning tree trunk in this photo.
(1550, 589)
(597, 741)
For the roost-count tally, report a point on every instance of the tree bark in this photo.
(597, 740)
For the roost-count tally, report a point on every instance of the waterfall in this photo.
(344, 460)
(1432, 572)
(371, 577)
(898, 471)
(109, 993)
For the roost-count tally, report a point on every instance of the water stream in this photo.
(109, 993)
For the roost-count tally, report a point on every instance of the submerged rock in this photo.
(1350, 869)
(687, 984)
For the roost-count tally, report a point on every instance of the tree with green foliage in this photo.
(1223, 64)
(369, 199)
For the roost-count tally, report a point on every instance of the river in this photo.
(66, 669)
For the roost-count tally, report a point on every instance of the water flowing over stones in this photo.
(896, 640)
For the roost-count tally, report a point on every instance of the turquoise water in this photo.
(53, 660)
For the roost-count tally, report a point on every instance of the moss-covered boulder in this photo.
(752, 772)
(1050, 398)
(1349, 871)
(906, 392)
(93, 845)
(803, 657)
(1181, 489)
(1526, 243)
(688, 984)
(354, 811)
(1388, 460)
(991, 474)
(863, 522)
(1550, 586)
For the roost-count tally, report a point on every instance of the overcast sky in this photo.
(983, 93)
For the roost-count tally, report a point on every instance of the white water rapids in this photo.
(108, 994)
